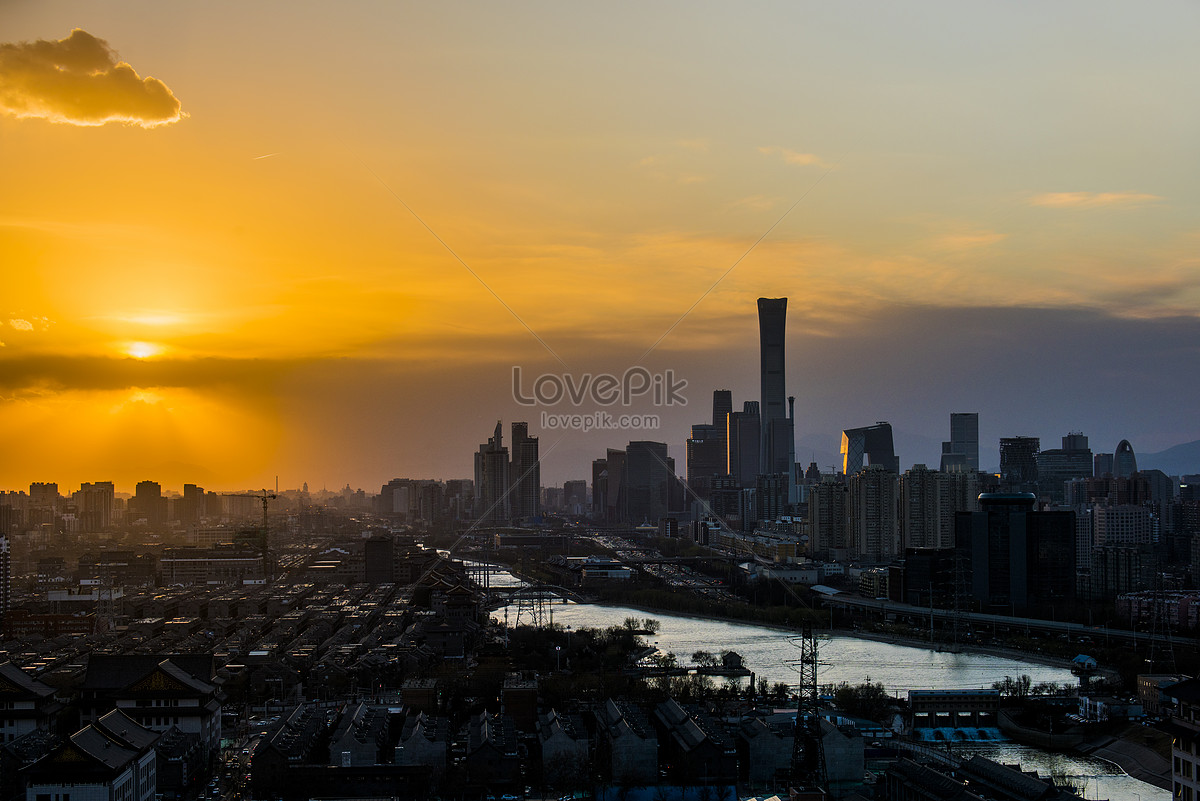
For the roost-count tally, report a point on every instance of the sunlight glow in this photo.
(143, 350)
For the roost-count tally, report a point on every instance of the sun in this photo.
(143, 350)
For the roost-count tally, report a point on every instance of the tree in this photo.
(1016, 689)
(868, 700)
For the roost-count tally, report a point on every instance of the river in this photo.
(771, 655)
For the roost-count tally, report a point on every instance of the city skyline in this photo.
(267, 263)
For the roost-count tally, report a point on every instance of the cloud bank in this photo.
(79, 81)
(1091, 200)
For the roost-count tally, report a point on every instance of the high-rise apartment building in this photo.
(828, 518)
(5, 574)
(874, 528)
(148, 504)
(929, 500)
(575, 496)
(43, 495)
(94, 502)
(920, 508)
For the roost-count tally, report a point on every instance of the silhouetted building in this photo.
(1124, 460)
(962, 451)
(705, 458)
(599, 487)
(872, 442)
(1057, 466)
(1018, 560)
(5, 574)
(829, 518)
(492, 502)
(648, 475)
(378, 561)
(874, 528)
(722, 406)
(920, 509)
(1018, 463)
(95, 503)
(1102, 465)
(616, 460)
(525, 474)
(745, 445)
(776, 429)
(148, 504)
(771, 496)
(575, 496)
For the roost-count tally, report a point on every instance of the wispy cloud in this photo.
(1091, 200)
(79, 81)
(694, 145)
(968, 240)
(795, 157)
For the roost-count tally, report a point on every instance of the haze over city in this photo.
(313, 241)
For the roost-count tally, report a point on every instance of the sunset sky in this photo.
(312, 240)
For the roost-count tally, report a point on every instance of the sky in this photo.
(312, 241)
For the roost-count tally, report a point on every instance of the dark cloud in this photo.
(79, 80)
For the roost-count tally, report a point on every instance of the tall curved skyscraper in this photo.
(1124, 460)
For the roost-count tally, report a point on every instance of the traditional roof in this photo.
(107, 672)
(124, 729)
(14, 681)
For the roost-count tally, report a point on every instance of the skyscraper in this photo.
(1057, 466)
(492, 503)
(599, 488)
(1018, 463)
(1017, 559)
(776, 427)
(1124, 460)
(648, 475)
(963, 447)
(874, 528)
(525, 474)
(873, 442)
(5, 574)
(95, 503)
(744, 443)
(722, 406)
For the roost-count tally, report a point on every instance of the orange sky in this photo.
(212, 273)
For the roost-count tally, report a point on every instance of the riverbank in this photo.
(893, 639)
(1138, 750)
(889, 637)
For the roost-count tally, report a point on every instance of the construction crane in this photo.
(265, 496)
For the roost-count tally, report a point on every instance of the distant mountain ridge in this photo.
(1175, 461)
